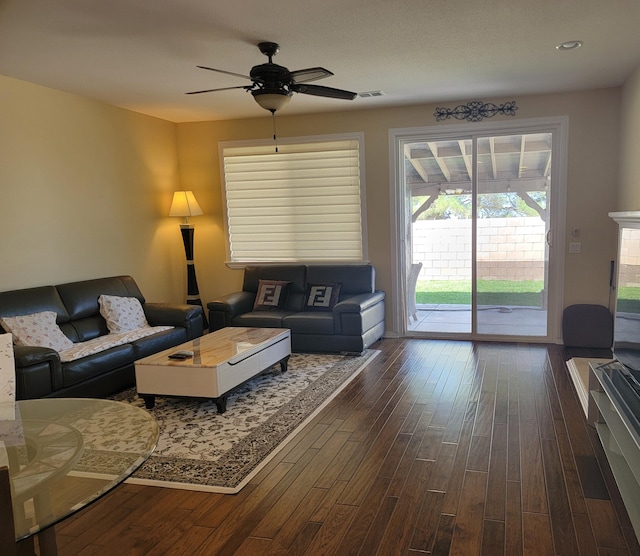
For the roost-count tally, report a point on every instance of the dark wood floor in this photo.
(438, 447)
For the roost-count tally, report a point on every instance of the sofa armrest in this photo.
(359, 303)
(190, 317)
(357, 314)
(26, 356)
(225, 308)
(38, 371)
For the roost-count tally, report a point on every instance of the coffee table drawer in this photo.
(236, 372)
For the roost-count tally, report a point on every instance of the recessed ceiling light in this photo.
(569, 45)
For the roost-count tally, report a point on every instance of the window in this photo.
(302, 203)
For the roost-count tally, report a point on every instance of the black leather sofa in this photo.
(39, 370)
(352, 325)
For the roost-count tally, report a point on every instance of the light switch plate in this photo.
(575, 247)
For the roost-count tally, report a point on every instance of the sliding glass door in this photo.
(478, 233)
(511, 251)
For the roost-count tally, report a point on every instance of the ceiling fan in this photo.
(272, 85)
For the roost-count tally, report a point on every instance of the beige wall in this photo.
(85, 188)
(592, 170)
(629, 185)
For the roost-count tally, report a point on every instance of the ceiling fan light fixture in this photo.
(271, 100)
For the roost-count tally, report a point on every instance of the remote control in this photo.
(184, 354)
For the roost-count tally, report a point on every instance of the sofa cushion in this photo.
(161, 340)
(261, 319)
(122, 313)
(317, 322)
(271, 295)
(355, 279)
(81, 298)
(38, 330)
(102, 343)
(97, 364)
(33, 300)
(321, 297)
(85, 329)
(296, 274)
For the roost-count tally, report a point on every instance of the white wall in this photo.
(628, 186)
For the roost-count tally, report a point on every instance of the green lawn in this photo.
(490, 292)
(628, 299)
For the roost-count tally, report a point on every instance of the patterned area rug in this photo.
(200, 449)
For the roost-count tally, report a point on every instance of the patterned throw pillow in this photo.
(122, 313)
(321, 297)
(37, 329)
(271, 296)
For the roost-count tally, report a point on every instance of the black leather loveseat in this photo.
(328, 308)
(40, 371)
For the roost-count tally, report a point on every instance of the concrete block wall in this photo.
(629, 272)
(508, 249)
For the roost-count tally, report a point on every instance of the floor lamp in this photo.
(184, 204)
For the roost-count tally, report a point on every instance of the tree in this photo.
(493, 205)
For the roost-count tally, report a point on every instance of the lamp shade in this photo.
(184, 204)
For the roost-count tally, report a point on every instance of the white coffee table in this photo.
(221, 361)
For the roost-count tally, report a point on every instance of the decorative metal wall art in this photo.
(475, 111)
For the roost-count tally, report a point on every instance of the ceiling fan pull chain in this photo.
(275, 138)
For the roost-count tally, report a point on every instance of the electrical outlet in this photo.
(575, 247)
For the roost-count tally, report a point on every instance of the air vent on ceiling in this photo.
(370, 94)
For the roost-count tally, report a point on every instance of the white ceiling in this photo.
(142, 54)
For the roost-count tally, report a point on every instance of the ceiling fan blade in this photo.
(223, 71)
(247, 87)
(320, 91)
(310, 74)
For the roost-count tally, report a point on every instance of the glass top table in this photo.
(64, 453)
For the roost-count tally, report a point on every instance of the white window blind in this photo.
(302, 203)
